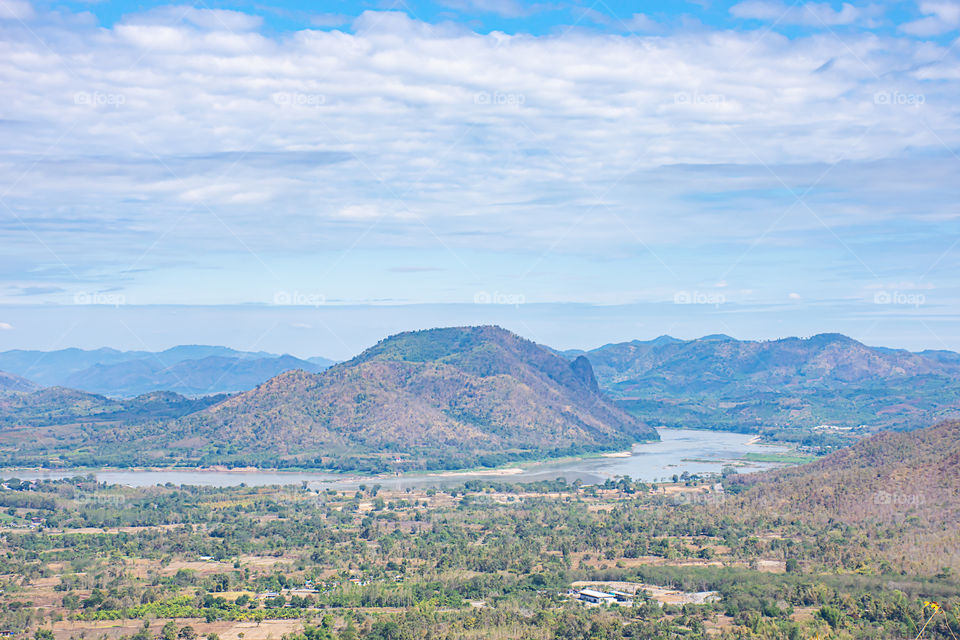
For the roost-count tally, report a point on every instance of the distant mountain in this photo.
(186, 369)
(211, 374)
(323, 363)
(904, 485)
(717, 381)
(442, 398)
(10, 382)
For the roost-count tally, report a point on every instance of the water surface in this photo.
(679, 450)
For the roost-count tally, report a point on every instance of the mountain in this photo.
(323, 363)
(186, 369)
(207, 375)
(441, 398)
(720, 382)
(10, 382)
(899, 491)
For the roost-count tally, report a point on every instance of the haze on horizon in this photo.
(308, 178)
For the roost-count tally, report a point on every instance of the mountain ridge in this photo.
(829, 378)
(186, 369)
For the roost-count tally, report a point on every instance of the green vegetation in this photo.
(790, 554)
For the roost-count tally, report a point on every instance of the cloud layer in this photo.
(184, 155)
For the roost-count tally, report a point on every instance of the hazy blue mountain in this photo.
(210, 374)
(51, 368)
(186, 369)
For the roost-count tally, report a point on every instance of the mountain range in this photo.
(793, 383)
(186, 369)
(441, 398)
(457, 397)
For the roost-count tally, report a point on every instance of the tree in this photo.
(384, 631)
(831, 615)
(350, 631)
(169, 631)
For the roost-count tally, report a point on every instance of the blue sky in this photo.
(309, 176)
(551, 18)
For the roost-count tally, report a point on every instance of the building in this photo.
(596, 597)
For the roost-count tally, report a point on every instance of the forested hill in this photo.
(440, 398)
(720, 382)
(907, 483)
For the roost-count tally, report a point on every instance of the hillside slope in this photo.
(900, 491)
(441, 398)
(10, 382)
(56, 426)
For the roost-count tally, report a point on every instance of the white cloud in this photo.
(173, 141)
(15, 10)
(941, 16)
(207, 19)
(5, 326)
(816, 14)
(506, 8)
(359, 212)
(642, 22)
(636, 23)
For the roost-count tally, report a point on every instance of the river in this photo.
(679, 450)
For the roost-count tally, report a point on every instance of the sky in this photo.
(308, 177)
